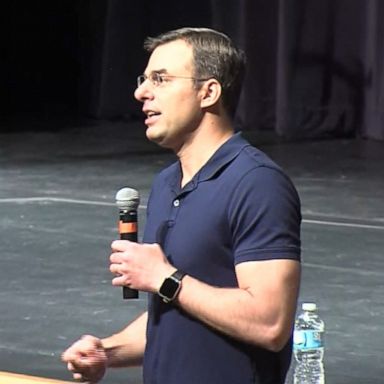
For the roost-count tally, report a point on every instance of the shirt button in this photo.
(176, 203)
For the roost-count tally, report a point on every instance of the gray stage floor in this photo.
(58, 218)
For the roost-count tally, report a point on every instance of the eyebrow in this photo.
(160, 71)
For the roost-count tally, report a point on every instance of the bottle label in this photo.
(307, 339)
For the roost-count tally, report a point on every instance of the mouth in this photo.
(152, 117)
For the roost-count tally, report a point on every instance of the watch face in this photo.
(169, 288)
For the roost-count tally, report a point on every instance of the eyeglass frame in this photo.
(157, 79)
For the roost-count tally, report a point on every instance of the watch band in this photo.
(171, 286)
(178, 275)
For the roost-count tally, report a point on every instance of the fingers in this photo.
(80, 348)
(137, 265)
(121, 245)
(117, 268)
(75, 372)
(79, 371)
(119, 251)
(123, 253)
(86, 359)
(120, 281)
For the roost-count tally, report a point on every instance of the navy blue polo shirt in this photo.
(239, 207)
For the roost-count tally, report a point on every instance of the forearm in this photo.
(126, 348)
(261, 316)
(228, 310)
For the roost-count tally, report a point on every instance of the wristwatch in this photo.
(171, 286)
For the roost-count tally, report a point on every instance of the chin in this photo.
(154, 136)
(159, 137)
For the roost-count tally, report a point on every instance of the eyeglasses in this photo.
(157, 79)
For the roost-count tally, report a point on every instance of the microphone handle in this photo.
(128, 219)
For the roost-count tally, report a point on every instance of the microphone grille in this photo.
(127, 198)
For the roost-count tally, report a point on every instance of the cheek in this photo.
(182, 118)
(186, 109)
(180, 107)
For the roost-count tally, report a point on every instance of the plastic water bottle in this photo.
(308, 346)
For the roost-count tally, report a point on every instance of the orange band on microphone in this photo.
(127, 227)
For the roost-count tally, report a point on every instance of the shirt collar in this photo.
(224, 155)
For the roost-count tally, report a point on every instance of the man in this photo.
(221, 248)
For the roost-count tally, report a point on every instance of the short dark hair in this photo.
(214, 55)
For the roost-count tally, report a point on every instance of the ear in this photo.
(210, 93)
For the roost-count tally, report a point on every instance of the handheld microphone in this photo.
(127, 200)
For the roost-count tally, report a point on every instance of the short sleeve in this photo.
(264, 215)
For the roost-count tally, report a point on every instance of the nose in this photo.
(143, 92)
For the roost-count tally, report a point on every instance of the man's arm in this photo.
(89, 357)
(126, 348)
(261, 311)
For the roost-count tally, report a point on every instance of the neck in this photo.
(201, 146)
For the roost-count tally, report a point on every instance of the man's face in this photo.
(172, 107)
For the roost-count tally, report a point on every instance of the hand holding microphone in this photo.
(145, 265)
(128, 200)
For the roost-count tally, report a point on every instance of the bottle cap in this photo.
(309, 306)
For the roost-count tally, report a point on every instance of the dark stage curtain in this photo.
(112, 34)
(315, 67)
(373, 105)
